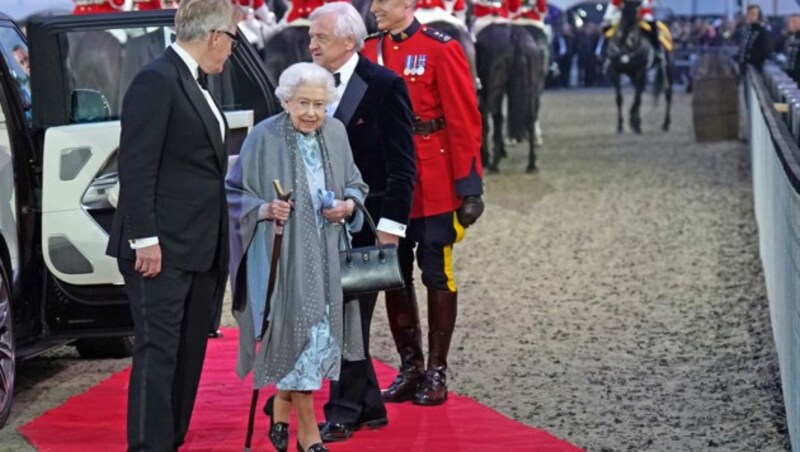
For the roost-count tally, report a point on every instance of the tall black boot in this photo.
(403, 313)
(442, 310)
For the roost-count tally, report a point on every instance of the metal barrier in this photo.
(774, 137)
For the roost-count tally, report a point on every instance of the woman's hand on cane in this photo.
(276, 210)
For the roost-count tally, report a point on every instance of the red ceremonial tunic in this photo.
(301, 9)
(483, 8)
(255, 4)
(459, 5)
(528, 9)
(440, 85)
(147, 5)
(646, 9)
(98, 6)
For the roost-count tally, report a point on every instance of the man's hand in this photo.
(470, 210)
(148, 261)
(384, 238)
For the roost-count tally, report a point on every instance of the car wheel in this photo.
(105, 347)
(7, 355)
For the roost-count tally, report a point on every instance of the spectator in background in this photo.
(20, 53)
(791, 50)
(588, 40)
(755, 47)
(563, 51)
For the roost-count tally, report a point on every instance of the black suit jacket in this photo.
(376, 110)
(172, 166)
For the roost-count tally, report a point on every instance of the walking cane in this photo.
(273, 266)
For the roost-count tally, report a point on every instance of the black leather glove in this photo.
(470, 210)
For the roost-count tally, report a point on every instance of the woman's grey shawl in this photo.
(270, 152)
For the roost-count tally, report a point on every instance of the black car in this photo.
(61, 91)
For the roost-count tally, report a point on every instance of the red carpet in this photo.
(95, 420)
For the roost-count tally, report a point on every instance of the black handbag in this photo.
(369, 269)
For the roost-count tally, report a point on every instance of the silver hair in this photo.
(195, 19)
(300, 74)
(349, 22)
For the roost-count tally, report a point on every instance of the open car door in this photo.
(81, 67)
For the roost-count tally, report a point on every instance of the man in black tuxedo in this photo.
(169, 233)
(376, 110)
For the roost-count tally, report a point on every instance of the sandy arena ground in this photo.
(615, 299)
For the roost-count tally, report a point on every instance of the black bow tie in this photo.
(202, 79)
(337, 79)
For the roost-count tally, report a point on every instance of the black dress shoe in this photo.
(215, 334)
(374, 423)
(319, 447)
(331, 432)
(278, 431)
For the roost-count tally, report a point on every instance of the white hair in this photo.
(195, 19)
(304, 74)
(349, 22)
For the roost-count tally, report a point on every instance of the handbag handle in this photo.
(370, 222)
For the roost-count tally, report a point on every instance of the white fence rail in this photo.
(776, 183)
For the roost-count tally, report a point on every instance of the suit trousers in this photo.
(356, 396)
(171, 314)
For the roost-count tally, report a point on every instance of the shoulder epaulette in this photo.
(436, 34)
(377, 34)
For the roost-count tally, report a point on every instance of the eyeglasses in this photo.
(234, 41)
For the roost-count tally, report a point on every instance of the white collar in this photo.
(347, 70)
(187, 59)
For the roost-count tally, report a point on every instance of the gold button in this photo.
(441, 150)
(396, 48)
(413, 79)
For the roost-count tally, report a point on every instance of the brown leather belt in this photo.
(429, 127)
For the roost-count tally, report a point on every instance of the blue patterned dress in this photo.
(321, 357)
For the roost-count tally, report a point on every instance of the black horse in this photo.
(510, 62)
(531, 63)
(494, 57)
(630, 53)
(285, 48)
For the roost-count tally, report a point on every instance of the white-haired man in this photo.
(376, 109)
(169, 233)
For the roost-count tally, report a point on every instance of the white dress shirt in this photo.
(194, 69)
(345, 74)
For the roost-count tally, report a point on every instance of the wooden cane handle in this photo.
(283, 196)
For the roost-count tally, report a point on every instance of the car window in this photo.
(101, 64)
(15, 52)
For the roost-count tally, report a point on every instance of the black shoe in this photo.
(215, 335)
(332, 433)
(319, 447)
(374, 423)
(278, 431)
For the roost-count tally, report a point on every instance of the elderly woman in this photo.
(309, 330)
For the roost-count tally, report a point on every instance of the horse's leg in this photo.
(635, 118)
(667, 93)
(532, 168)
(615, 79)
(486, 157)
